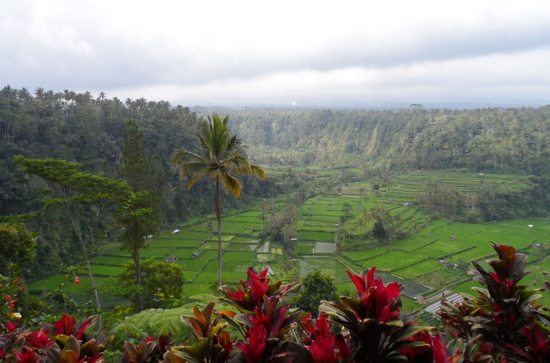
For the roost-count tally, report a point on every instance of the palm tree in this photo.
(222, 157)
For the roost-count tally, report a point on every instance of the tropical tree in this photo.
(139, 215)
(222, 157)
(84, 196)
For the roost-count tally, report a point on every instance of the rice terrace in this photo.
(432, 259)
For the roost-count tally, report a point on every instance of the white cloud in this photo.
(269, 52)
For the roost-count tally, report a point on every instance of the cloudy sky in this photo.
(259, 52)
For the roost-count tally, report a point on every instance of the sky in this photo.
(282, 53)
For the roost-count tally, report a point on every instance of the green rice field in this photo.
(435, 255)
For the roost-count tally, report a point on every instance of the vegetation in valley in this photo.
(419, 194)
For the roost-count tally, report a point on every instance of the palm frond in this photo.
(258, 170)
(231, 183)
(183, 156)
(196, 177)
(189, 169)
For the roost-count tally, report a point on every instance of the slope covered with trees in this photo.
(80, 128)
(483, 139)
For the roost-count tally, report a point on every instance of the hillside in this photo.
(515, 139)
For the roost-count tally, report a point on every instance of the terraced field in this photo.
(436, 255)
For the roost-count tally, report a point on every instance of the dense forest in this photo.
(502, 140)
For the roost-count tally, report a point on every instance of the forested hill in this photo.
(485, 139)
(78, 127)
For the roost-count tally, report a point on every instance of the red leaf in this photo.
(439, 350)
(65, 325)
(11, 326)
(83, 328)
(25, 355)
(359, 282)
(39, 339)
(253, 350)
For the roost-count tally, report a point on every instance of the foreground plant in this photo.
(377, 333)
(213, 343)
(149, 350)
(263, 320)
(504, 320)
(63, 341)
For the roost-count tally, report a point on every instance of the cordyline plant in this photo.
(63, 341)
(377, 333)
(503, 323)
(213, 344)
(148, 350)
(263, 321)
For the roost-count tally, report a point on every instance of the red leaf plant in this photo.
(149, 350)
(503, 319)
(323, 345)
(39, 339)
(66, 325)
(377, 333)
(252, 292)
(263, 321)
(213, 344)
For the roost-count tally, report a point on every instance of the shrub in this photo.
(161, 284)
(316, 287)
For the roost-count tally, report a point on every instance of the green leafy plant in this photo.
(161, 284)
(316, 286)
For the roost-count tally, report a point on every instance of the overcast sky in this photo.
(258, 52)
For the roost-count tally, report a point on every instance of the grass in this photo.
(418, 269)
(392, 260)
(315, 236)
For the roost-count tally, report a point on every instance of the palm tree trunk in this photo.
(217, 205)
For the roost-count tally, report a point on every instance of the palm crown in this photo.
(222, 156)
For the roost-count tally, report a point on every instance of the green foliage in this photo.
(78, 193)
(137, 221)
(280, 227)
(162, 283)
(222, 156)
(72, 185)
(138, 172)
(316, 286)
(17, 246)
